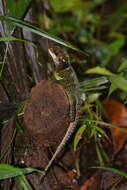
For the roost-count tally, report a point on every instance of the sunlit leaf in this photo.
(12, 38)
(99, 70)
(119, 82)
(93, 97)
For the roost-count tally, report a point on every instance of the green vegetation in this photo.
(93, 32)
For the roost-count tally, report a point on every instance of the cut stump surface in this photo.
(47, 112)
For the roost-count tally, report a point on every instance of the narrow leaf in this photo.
(91, 83)
(22, 183)
(114, 170)
(78, 136)
(99, 70)
(7, 171)
(101, 131)
(41, 33)
(123, 66)
(12, 38)
(16, 10)
(99, 154)
(119, 82)
(112, 89)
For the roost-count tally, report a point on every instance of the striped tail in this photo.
(68, 134)
(60, 147)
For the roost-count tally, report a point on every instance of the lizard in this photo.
(66, 76)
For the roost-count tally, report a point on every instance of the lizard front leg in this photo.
(71, 99)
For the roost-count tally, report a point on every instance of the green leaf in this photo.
(105, 156)
(12, 38)
(63, 6)
(7, 38)
(112, 89)
(101, 131)
(93, 97)
(16, 10)
(114, 170)
(21, 108)
(19, 127)
(118, 82)
(116, 45)
(78, 136)
(95, 122)
(123, 66)
(100, 70)
(90, 83)
(99, 154)
(7, 171)
(93, 131)
(41, 33)
(22, 183)
(103, 153)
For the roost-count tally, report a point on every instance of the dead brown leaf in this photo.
(116, 114)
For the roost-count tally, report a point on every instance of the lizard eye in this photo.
(64, 60)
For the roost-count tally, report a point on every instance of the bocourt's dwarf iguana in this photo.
(65, 74)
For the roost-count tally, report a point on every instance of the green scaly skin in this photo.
(65, 74)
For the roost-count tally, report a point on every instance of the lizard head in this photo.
(60, 58)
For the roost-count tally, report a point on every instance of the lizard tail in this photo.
(60, 147)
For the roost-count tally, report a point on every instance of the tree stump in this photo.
(47, 113)
(46, 120)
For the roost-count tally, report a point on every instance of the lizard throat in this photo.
(57, 76)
